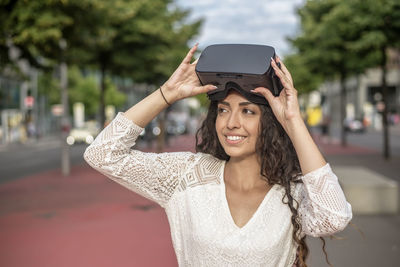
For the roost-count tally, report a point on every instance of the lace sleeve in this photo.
(154, 176)
(323, 208)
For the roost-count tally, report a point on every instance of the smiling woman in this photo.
(253, 191)
(237, 126)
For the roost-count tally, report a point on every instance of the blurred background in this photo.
(68, 67)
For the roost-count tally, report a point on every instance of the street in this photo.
(373, 139)
(19, 160)
(38, 204)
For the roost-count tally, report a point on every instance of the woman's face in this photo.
(237, 125)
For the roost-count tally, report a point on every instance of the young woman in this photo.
(256, 187)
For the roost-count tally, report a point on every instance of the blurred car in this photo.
(150, 132)
(85, 134)
(354, 126)
(176, 128)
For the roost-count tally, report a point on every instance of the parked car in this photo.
(85, 134)
(176, 128)
(354, 125)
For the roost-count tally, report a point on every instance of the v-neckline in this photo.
(228, 210)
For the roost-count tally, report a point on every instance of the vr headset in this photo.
(240, 67)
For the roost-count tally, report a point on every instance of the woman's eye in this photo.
(220, 110)
(248, 111)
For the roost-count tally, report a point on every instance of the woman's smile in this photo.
(234, 139)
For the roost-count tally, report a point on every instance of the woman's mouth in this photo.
(234, 139)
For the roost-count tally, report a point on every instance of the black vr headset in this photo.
(241, 67)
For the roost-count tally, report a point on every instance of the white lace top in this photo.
(190, 187)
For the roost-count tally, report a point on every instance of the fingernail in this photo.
(214, 87)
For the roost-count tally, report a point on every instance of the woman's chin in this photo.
(238, 155)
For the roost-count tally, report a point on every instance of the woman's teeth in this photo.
(235, 138)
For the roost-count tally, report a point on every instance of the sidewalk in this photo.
(88, 220)
(378, 243)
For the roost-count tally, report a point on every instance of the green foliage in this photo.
(82, 88)
(346, 37)
(139, 38)
(85, 89)
(143, 40)
(322, 42)
(36, 27)
(113, 96)
(50, 87)
(378, 23)
(150, 43)
(305, 80)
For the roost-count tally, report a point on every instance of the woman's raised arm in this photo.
(286, 110)
(183, 83)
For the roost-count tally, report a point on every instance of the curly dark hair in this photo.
(279, 163)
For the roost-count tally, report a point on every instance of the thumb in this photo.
(195, 62)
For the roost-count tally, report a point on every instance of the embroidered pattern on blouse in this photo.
(205, 171)
(323, 209)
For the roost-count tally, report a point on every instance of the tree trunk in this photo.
(343, 102)
(385, 127)
(65, 122)
(102, 94)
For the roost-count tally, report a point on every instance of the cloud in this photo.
(233, 21)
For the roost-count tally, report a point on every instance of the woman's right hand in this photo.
(184, 81)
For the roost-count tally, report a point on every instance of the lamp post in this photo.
(65, 122)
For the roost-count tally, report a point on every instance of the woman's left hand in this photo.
(285, 106)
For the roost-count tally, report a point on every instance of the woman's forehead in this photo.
(235, 97)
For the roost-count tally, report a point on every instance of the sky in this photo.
(266, 22)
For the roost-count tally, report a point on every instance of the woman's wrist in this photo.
(168, 93)
(294, 125)
(163, 96)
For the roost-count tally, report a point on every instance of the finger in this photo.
(284, 69)
(265, 92)
(278, 71)
(204, 89)
(286, 82)
(190, 54)
(291, 91)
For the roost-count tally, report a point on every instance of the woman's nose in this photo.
(233, 121)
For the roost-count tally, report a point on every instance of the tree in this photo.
(378, 25)
(303, 76)
(325, 45)
(139, 39)
(343, 38)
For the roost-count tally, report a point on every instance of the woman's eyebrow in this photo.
(240, 104)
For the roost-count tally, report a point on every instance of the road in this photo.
(64, 212)
(19, 160)
(373, 139)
